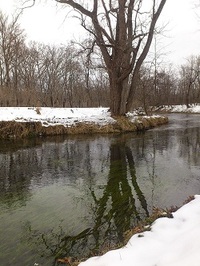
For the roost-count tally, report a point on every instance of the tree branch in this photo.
(150, 34)
(76, 6)
(108, 19)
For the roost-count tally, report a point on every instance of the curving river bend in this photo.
(68, 196)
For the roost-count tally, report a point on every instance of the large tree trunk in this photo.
(115, 96)
(118, 96)
(124, 96)
(132, 89)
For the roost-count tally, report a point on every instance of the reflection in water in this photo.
(113, 213)
(121, 213)
(71, 196)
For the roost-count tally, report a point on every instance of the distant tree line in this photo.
(38, 74)
(71, 76)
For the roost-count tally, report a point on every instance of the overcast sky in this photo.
(46, 23)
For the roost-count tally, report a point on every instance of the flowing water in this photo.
(68, 196)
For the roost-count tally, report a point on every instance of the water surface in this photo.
(68, 196)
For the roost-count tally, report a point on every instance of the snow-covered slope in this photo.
(171, 242)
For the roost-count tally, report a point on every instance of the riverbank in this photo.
(23, 122)
(170, 240)
(192, 109)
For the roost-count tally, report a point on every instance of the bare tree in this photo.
(11, 50)
(145, 89)
(123, 30)
(190, 79)
(10, 36)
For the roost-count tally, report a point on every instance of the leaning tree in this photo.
(123, 30)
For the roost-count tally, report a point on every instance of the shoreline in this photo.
(29, 129)
(138, 231)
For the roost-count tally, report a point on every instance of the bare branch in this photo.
(108, 19)
(76, 6)
(151, 31)
(31, 5)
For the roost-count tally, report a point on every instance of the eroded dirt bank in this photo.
(13, 129)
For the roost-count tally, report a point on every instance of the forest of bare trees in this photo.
(35, 74)
(44, 75)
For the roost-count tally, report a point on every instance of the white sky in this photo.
(50, 24)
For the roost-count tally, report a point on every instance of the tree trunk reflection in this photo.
(114, 212)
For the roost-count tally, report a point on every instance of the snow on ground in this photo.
(170, 242)
(51, 116)
(70, 116)
(195, 108)
(60, 116)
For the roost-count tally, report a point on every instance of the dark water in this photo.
(68, 196)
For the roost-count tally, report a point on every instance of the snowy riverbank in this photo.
(71, 116)
(194, 108)
(62, 116)
(56, 116)
(171, 241)
(18, 122)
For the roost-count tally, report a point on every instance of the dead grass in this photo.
(16, 130)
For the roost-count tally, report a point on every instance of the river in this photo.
(69, 196)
